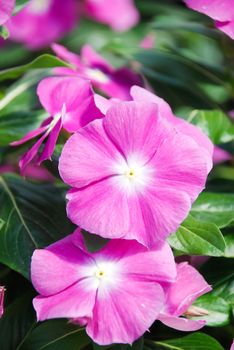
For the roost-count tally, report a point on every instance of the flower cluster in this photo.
(134, 169)
(41, 22)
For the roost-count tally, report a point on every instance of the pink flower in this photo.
(135, 175)
(70, 104)
(120, 15)
(2, 292)
(113, 282)
(41, 22)
(90, 65)
(180, 295)
(221, 11)
(220, 155)
(6, 9)
(232, 347)
(148, 41)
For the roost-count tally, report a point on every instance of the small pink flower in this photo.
(113, 282)
(90, 65)
(6, 9)
(148, 41)
(41, 22)
(70, 104)
(221, 11)
(232, 347)
(134, 173)
(2, 292)
(120, 15)
(180, 295)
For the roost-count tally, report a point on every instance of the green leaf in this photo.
(15, 125)
(195, 341)
(215, 124)
(198, 238)
(56, 335)
(18, 319)
(219, 273)
(34, 216)
(43, 61)
(229, 250)
(4, 33)
(218, 308)
(217, 208)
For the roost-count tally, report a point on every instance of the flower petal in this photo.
(66, 55)
(99, 208)
(216, 9)
(135, 306)
(73, 93)
(188, 287)
(226, 27)
(74, 302)
(140, 94)
(30, 154)
(134, 128)
(105, 12)
(58, 266)
(88, 156)
(181, 323)
(180, 164)
(50, 143)
(6, 8)
(134, 258)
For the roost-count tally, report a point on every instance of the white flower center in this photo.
(39, 6)
(97, 75)
(133, 175)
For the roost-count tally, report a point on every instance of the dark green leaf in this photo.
(15, 125)
(34, 216)
(43, 61)
(195, 341)
(198, 238)
(219, 273)
(56, 335)
(93, 242)
(17, 321)
(215, 124)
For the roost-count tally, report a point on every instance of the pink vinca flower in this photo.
(120, 15)
(70, 104)
(41, 22)
(232, 347)
(134, 174)
(90, 65)
(2, 292)
(140, 94)
(6, 9)
(88, 288)
(180, 295)
(221, 11)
